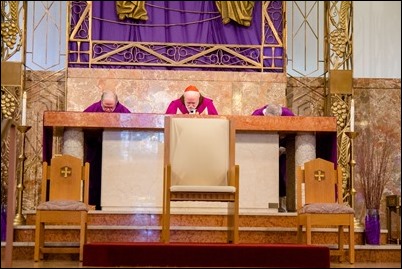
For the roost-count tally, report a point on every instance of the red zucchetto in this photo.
(191, 88)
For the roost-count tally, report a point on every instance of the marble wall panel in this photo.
(145, 91)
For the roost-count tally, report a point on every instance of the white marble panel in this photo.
(132, 174)
(257, 155)
(132, 170)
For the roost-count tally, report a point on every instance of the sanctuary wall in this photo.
(150, 91)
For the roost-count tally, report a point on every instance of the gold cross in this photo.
(319, 175)
(65, 171)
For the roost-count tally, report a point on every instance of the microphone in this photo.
(191, 111)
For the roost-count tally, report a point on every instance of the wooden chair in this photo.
(322, 204)
(64, 202)
(199, 165)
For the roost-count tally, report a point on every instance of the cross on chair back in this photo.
(64, 201)
(199, 166)
(320, 203)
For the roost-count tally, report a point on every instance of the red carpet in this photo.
(205, 255)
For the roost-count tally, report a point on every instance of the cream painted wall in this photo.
(377, 39)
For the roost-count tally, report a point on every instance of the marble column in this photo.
(305, 148)
(300, 148)
(73, 142)
(305, 151)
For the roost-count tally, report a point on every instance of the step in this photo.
(259, 229)
(363, 253)
(122, 226)
(129, 233)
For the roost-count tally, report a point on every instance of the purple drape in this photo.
(175, 22)
(182, 22)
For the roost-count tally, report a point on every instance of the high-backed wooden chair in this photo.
(64, 201)
(199, 165)
(321, 204)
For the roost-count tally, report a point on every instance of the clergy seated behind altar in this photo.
(93, 144)
(277, 110)
(192, 102)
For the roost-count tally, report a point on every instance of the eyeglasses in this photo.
(108, 108)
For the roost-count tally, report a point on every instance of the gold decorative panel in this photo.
(340, 81)
(11, 74)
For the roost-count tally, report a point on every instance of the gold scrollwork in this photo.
(340, 37)
(8, 104)
(11, 33)
(339, 110)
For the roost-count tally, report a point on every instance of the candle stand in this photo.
(19, 218)
(352, 136)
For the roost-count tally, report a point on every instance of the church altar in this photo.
(132, 157)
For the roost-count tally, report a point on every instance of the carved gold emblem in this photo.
(65, 171)
(319, 175)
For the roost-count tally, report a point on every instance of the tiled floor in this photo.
(76, 264)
